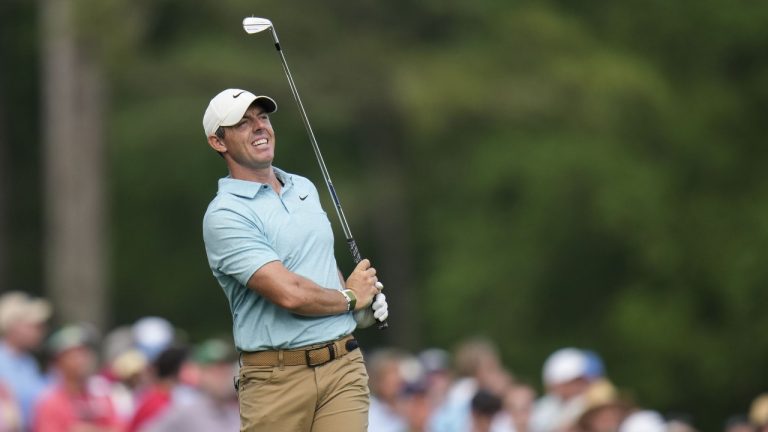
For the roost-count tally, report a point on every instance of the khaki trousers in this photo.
(328, 398)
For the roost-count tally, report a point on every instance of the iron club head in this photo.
(253, 25)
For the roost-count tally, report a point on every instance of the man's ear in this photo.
(217, 144)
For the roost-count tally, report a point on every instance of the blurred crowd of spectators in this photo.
(138, 378)
(146, 378)
(469, 390)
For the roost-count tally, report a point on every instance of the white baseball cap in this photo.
(643, 421)
(565, 365)
(16, 306)
(229, 106)
(152, 335)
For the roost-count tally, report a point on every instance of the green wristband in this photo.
(351, 299)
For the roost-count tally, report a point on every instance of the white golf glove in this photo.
(378, 311)
(380, 307)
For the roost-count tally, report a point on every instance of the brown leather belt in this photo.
(312, 356)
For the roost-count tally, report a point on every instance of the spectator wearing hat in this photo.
(216, 409)
(73, 403)
(159, 397)
(22, 324)
(567, 375)
(604, 408)
(127, 374)
(125, 370)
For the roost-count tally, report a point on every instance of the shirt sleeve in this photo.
(235, 245)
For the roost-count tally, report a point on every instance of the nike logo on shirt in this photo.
(303, 197)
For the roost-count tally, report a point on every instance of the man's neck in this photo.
(13, 347)
(263, 175)
(166, 384)
(74, 385)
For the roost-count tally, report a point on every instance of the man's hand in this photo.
(363, 282)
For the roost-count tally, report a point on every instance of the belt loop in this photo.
(280, 361)
(240, 359)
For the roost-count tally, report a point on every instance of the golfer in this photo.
(270, 246)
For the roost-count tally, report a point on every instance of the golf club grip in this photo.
(357, 258)
(354, 250)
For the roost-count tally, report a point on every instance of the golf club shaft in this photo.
(326, 176)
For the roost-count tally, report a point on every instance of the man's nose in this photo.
(259, 124)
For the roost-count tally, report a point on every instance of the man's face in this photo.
(388, 382)
(250, 143)
(26, 335)
(518, 401)
(570, 389)
(77, 363)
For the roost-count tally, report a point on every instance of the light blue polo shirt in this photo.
(248, 225)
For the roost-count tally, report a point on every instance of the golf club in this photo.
(253, 25)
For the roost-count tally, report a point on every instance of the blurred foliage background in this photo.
(545, 173)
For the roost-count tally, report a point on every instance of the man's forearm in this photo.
(296, 293)
(302, 296)
(312, 299)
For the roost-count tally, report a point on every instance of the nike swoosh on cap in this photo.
(235, 96)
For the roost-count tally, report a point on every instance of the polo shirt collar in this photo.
(283, 176)
(249, 189)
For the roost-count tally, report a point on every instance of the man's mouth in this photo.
(259, 142)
